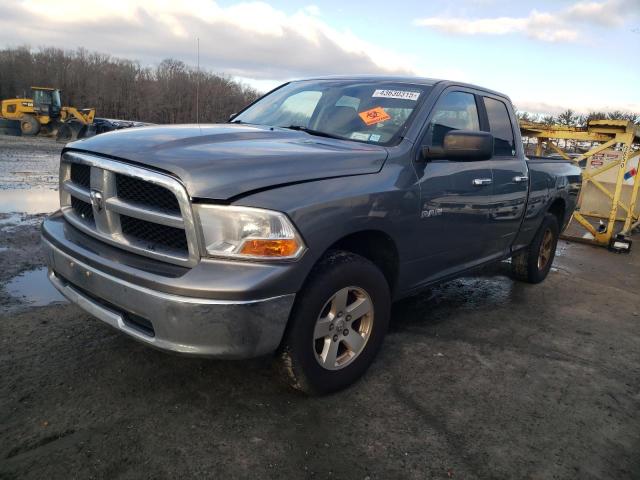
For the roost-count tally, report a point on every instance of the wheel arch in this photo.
(558, 208)
(376, 246)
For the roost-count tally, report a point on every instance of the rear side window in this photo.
(500, 127)
(455, 111)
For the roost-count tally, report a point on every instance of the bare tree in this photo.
(120, 88)
(166, 93)
(548, 119)
(568, 118)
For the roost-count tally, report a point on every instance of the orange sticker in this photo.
(373, 116)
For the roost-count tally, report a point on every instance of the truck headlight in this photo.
(251, 233)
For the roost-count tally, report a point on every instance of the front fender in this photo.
(326, 211)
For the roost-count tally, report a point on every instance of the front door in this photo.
(455, 195)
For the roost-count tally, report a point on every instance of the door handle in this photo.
(520, 178)
(479, 182)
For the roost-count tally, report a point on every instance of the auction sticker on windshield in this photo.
(360, 136)
(374, 115)
(400, 94)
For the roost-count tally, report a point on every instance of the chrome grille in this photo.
(81, 174)
(146, 194)
(83, 209)
(154, 233)
(131, 207)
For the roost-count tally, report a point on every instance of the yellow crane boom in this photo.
(610, 178)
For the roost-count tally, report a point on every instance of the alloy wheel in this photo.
(343, 328)
(546, 247)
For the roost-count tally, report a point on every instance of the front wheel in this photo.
(533, 263)
(337, 324)
(68, 132)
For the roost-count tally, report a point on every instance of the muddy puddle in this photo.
(33, 289)
(29, 201)
(29, 162)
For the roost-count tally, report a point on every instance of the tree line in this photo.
(166, 93)
(571, 118)
(124, 89)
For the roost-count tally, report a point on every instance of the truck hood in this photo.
(222, 161)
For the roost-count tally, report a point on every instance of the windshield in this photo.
(373, 112)
(42, 97)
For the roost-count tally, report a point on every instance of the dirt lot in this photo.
(480, 378)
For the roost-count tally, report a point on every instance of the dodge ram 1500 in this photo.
(293, 227)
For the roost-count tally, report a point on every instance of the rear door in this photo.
(455, 195)
(510, 176)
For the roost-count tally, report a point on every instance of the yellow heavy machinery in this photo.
(608, 209)
(44, 112)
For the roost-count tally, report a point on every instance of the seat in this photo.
(343, 120)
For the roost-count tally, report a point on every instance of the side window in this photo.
(455, 111)
(500, 127)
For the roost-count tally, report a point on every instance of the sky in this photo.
(546, 55)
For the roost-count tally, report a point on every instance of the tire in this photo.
(87, 131)
(533, 263)
(29, 125)
(310, 359)
(68, 132)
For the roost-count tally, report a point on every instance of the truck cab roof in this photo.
(425, 81)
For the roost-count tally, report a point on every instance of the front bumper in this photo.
(210, 327)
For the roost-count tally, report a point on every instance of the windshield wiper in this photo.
(310, 131)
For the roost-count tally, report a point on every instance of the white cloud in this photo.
(540, 26)
(580, 107)
(608, 13)
(249, 39)
(561, 26)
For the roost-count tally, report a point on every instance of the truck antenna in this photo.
(198, 83)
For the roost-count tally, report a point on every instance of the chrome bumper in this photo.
(186, 325)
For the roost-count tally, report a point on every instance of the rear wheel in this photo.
(29, 125)
(533, 263)
(337, 324)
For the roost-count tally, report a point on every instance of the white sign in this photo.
(400, 94)
(360, 136)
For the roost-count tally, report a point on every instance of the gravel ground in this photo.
(482, 377)
(27, 162)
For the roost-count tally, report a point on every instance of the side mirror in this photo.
(462, 145)
(232, 116)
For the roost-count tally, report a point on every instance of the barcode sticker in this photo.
(400, 94)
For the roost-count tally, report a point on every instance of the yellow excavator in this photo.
(44, 113)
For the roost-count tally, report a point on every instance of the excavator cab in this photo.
(46, 101)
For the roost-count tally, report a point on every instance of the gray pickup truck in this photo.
(292, 228)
